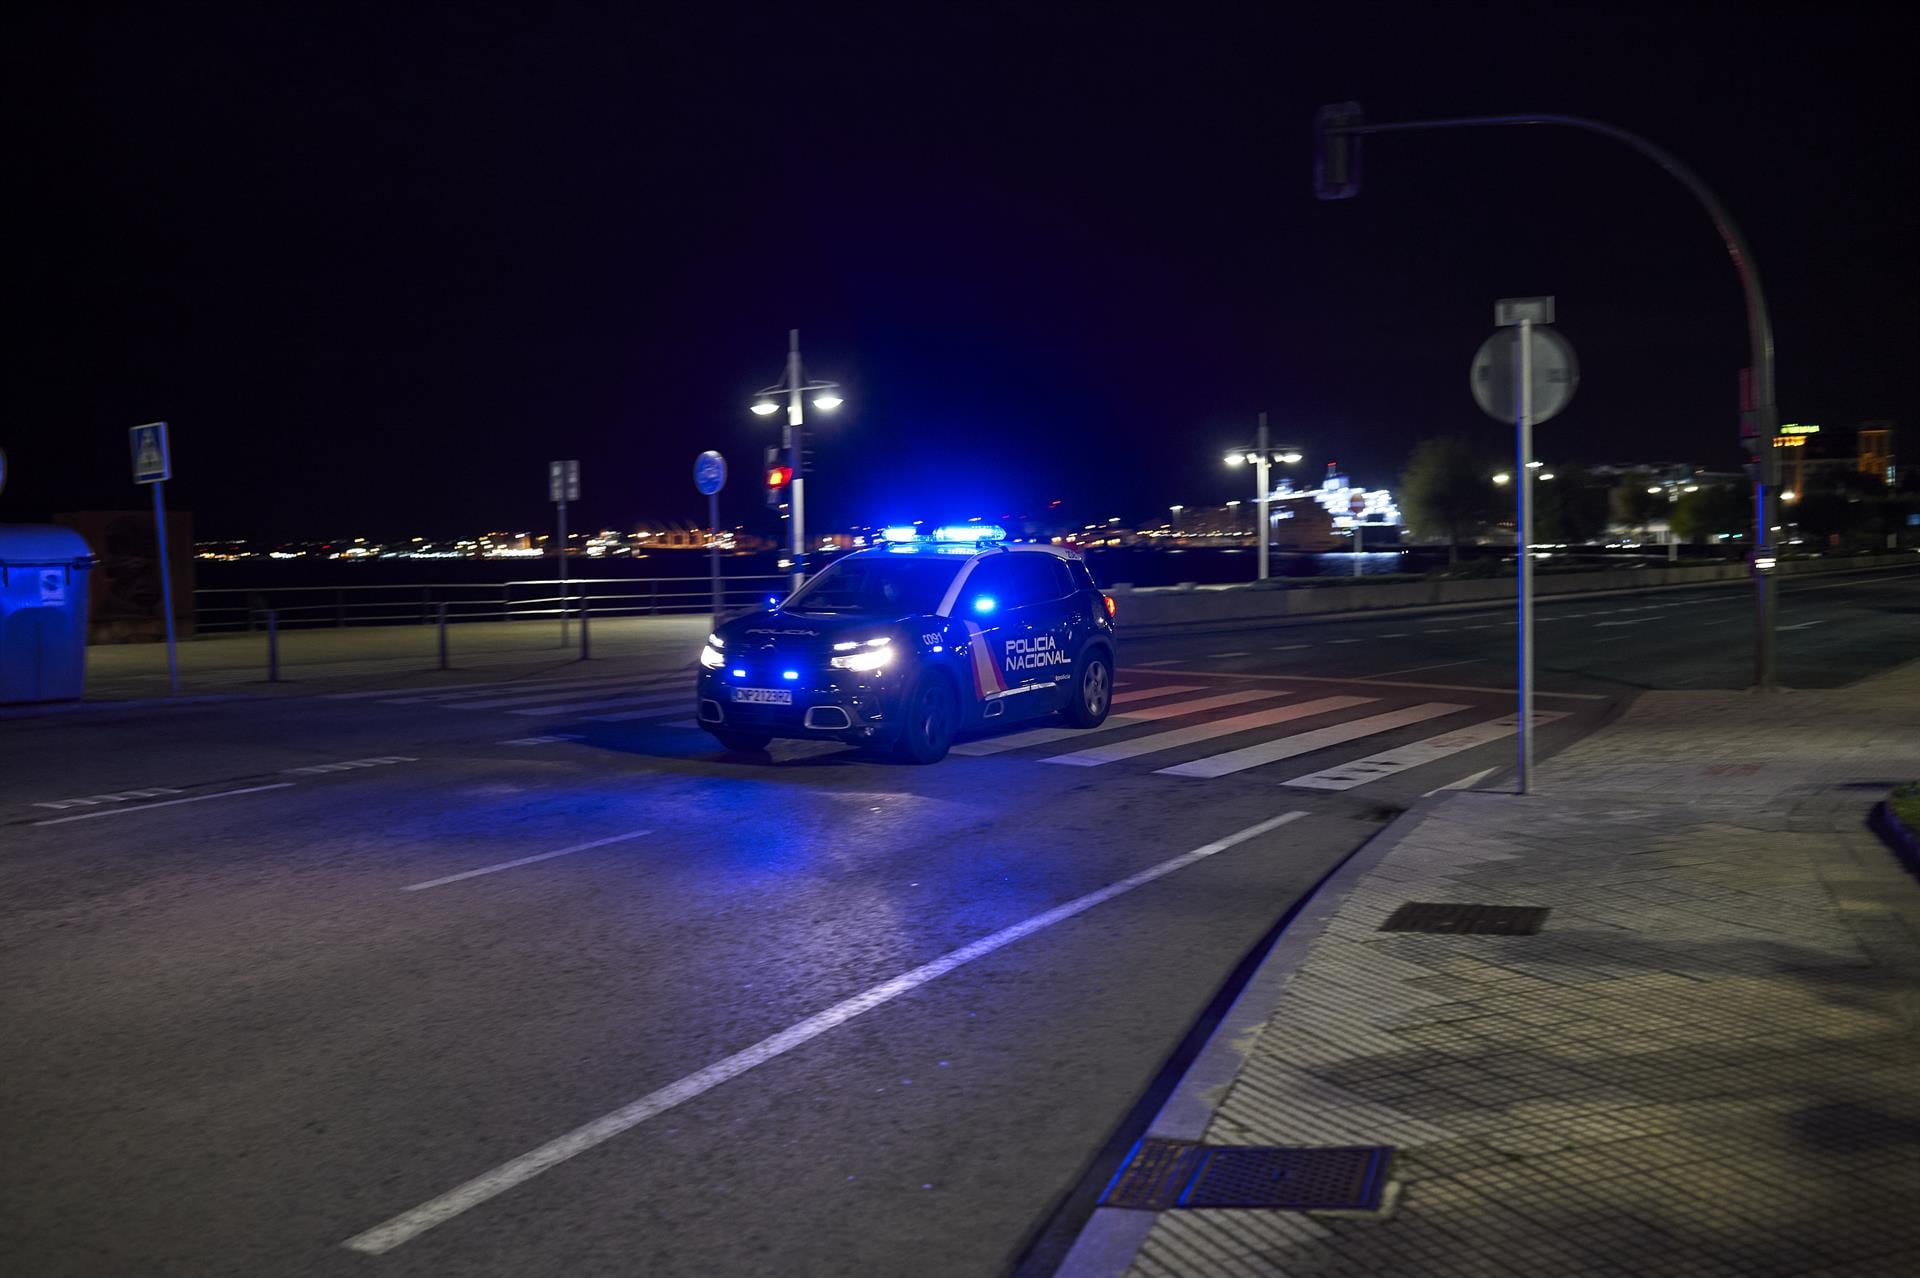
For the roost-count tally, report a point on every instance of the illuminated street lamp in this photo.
(1502, 478)
(1260, 457)
(792, 439)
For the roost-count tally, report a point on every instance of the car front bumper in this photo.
(832, 704)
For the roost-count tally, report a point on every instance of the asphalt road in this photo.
(508, 972)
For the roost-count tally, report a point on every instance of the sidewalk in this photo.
(1706, 1062)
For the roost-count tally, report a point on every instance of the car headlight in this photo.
(711, 657)
(867, 659)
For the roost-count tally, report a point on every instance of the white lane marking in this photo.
(624, 687)
(168, 803)
(1485, 627)
(1414, 754)
(1637, 621)
(396, 692)
(524, 860)
(1094, 756)
(349, 765)
(1299, 743)
(1803, 625)
(1345, 641)
(1288, 647)
(543, 687)
(1223, 656)
(95, 800)
(1398, 634)
(1146, 714)
(1142, 694)
(1438, 631)
(1147, 665)
(1471, 779)
(1385, 683)
(1439, 665)
(547, 740)
(679, 697)
(411, 1224)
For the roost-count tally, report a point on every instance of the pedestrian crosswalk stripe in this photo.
(1146, 714)
(682, 696)
(1176, 737)
(1415, 753)
(678, 705)
(1299, 743)
(1143, 694)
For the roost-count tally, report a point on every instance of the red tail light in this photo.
(1109, 602)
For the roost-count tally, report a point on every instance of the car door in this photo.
(1034, 658)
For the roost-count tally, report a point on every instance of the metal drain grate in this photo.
(1166, 1174)
(1478, 920)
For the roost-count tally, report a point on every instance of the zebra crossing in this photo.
(1189, 731)
(1169, 732)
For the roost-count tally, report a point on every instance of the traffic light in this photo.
(776, 475)
(1336, 155)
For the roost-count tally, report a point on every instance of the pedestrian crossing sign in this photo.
(150, 464)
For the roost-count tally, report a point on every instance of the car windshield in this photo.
(878, 584)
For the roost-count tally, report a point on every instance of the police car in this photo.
(900, 647)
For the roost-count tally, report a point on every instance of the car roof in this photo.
(950, 550)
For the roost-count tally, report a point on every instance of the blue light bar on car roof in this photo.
(949, 534)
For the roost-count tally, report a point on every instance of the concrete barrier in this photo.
(1161, 609)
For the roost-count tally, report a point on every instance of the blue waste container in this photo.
(43, 613)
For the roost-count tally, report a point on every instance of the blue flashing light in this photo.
(970, 533)
(789, 674)
(984, 603)
(900, 532)
(737, 673)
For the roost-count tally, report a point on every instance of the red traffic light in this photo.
(779, 476)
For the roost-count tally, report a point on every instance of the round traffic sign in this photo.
(709, 473)
(1356, 504)
(1556, 373)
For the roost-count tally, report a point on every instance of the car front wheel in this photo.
(932, 718)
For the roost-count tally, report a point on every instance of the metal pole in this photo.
(713, 553)
(563, 571)
(586, 645)
(1759, 339)
(1260, 481)
(1359, 545)
(443, 636)
(273, 646)
(166, 582)
(796, 429)
(1524, 441)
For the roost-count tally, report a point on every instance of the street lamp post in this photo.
(1261, 456)
(1337, 177)
(793, 438)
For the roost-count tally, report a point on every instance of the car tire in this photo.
(1091, 695)
(932, 717)
(735, 741)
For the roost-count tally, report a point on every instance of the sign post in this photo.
(152, 466)
(563, 486)
(1524, 377)
(710, 476)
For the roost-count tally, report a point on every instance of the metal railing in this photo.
(225, 609)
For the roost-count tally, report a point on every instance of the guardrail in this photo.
(226, 609)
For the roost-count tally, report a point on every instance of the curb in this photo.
(1112, 1236)
(1904, 843)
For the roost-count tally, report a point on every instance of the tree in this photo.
(1715, 509)
(1447, 491)
(1569, 509)
(1633, 507)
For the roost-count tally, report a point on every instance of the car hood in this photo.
(772, 630)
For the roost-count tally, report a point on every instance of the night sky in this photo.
(377, 265)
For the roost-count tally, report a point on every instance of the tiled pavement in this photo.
(1707, 1062)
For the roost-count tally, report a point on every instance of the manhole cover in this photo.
(1478, 920)
(1164, 1175)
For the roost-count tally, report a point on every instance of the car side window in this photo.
(989, 588)
(1037, 578)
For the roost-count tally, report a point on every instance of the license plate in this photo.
(764, 696)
